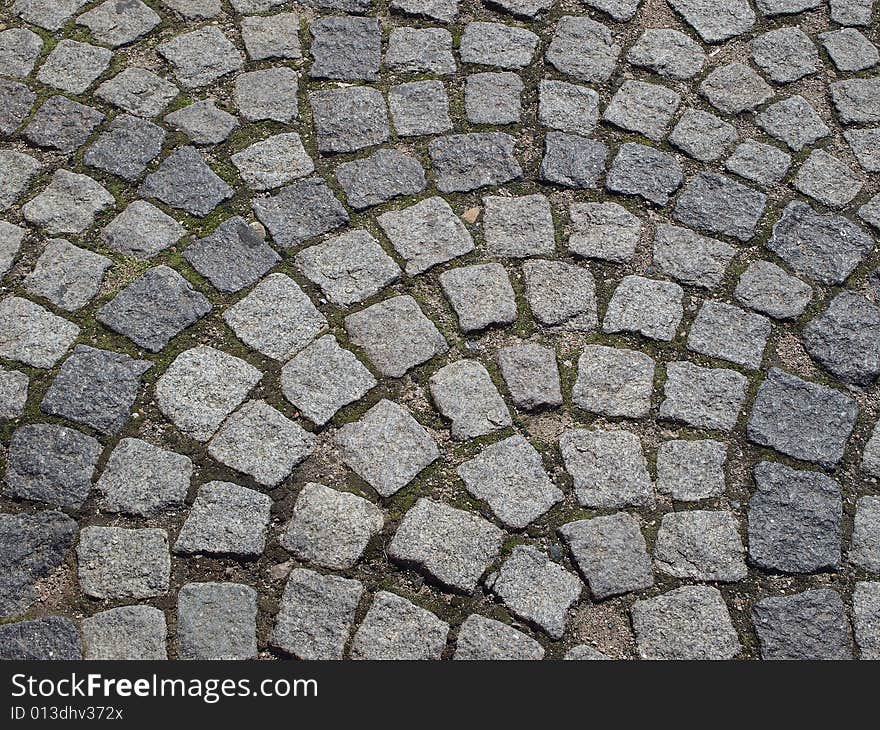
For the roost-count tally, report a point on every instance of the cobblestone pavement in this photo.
(533, 329)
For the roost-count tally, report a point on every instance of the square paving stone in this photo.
(794, 520)
(801, 419)
(561, 295)
(464, 162)
(126, 148)
(66, 275)
(718, 204)
(865, 144)
(234, 256)
(201, 56)
(303, 210)
(96, 388)
(855, 100)
(582, 48)
(531, 375)
(496, 44)
(865, 550)
(567, 107)
(689, 471)
(323, 378)
(385, 175)
(217, 621)
(825, 178)
(273, 161)
(395, 628)
(419, 107)
(271, 36)
(610, 553)
(481, 295)
(606, 231)
(203, 386)
(536, 589)
(701, 135)
(691, 258)
(184, 180)
(735, 88)
(794, 122)
(13, 394)
(851, 12)
(202, 122)
(138, 91)
(47, 14)
(614, 381)
(730, 333)
(345, 48)
(32, 335)
(649, 307)
(17, 102)
(771, 8)
(329, 528)
(849, 49)
(349, 268)
(144, 480)
(667, 52)
(395, 335)
(688, 623)
(804, 626)
(716, 20)
(866, 619)
(197, 9)
(761, 163)
(225, 519)
(644, 108)
(703, 397)
(826, 248)
(48, 463)
(426, 234)
(316, 615)
(518, 226)
(259, 441)
(73, 66)
(493, 98)
(42, 639)
(142, 230)
(453, 546)
(116, 563)
(268, 94)
(68, 204)
(387, 448)
(843, 339)
(767, 288)
(117, 24)
(509, 476)
(17, 171)
(126, 633)
(644, 171)
(33, 546)
(785, 54)
(701, 545)
(464, 393)
(276, 318)
(608, 468)
(349, 119)
(871, 453)
(19, 50)
(420, 50)
(484, 639)
(154, 308)
(573, 161)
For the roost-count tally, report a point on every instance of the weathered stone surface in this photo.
(794, 122)
(33, 335)
(217, 621)
(63, 125)
(689, 471)
(807, 626)
(19, 50)
(73, 66)
(271, 36)
(691, 258)
(716, 20)
(142, 230)
(420, 50)
(785, 54)
(567, 107)
(761, 163)
(47, 14)
(17, 170)
(126, 633)
(18, 100)
(138, 91)
(584, 652)
(464, 162)
(419, 107)
(871, 453)
(767, 288)
(825, 178)
(481, 295)
(649, 307)
(201, 56)
(452, 546)
(300, 211)
(184, 180)
(349, 119)
(608, 468)
(644, 108)
(510, 477)
(794, 520)
(66, 275)
(345, 47)
(668, 52)
(573, 161)
(273, 161)
(703, 397)
(331, 529)
(865, 144)
(614, 382)
(583, 48)
(531, 375)
(605, 231)
(385, 175)
(703, 136)
(730, 333)
(464, 393)
(496, 44)
(610, 552)
(126, 148)
(68, 204)
(42, 639)
(519, 226)
(561, 295)
(644, 171)
(718, 204)
(395, 628)
(865, 550)
(689, 623)
(802, 419)
(702, 545)
(866, 619)
(115, 562)
(267, 95)
(202, 122)
(483, 639)
(852, 12)
(735, 88)
(855, 100)
(117, 24)
(13, 394)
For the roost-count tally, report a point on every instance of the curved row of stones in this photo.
(439, 329)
